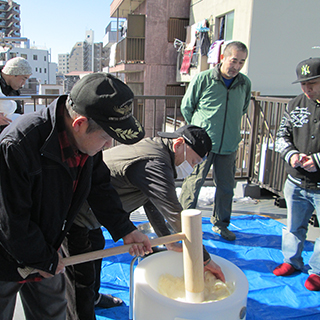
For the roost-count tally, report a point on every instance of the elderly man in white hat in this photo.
(13, 77)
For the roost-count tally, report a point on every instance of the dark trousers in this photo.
(84, 278)
(223, 170)
(41, 300)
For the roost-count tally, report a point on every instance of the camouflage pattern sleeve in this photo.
(284, 138)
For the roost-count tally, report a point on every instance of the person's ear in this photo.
(177, 144)
(79, 122)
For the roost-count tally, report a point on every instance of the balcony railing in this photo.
(257, 160)
(130, 50)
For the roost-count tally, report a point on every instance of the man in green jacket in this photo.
(216, 100)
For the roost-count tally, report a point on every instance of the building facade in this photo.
(145, 56)
(276, 32)
(63, 63)
(87, 55)
(10, 18)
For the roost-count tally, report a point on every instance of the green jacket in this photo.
(208, 103)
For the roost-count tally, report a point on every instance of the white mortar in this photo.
(149, 304)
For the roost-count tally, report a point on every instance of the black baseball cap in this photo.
(308, 69)
(108, 101)
(196, 137)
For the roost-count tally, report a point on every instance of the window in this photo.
(40, 70)
(225, 26)
(177, 29)
(35, 57)
(45, 70)
(45, 58)
(36, 69)
(25, 56)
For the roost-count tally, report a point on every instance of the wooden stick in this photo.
(193, 255)
(99, 254)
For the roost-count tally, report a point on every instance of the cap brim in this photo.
(306, 79)
(127, 131)
(169, 135)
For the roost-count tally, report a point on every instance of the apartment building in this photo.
(111, 37)
(63, 63)
(10, 18)
(145, 56)
(278, 33)
(87, 55)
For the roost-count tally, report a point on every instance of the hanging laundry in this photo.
(204, 43)
(195, 55)
(191, 37)
(186, 62)
(112, 61)
(221, 32)
(203, 26)
(215, 52)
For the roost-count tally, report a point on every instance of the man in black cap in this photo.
(50, 163)
(297, 142)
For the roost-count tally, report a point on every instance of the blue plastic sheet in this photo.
(256, 251)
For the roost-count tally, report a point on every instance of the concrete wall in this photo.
(160, 55)
(283, 33)
(278, 33)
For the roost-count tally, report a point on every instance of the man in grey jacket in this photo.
(144, 174)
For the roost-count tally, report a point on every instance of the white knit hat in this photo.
(17, 67)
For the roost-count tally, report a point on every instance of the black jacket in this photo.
(299, 133)
(37, 203)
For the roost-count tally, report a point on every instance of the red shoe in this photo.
(313, 282)
(285, 269)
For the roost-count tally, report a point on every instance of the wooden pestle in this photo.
(191, 223)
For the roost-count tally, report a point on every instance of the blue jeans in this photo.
(301, 203)
(223, 170)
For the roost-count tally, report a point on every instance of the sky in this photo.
(59, 24)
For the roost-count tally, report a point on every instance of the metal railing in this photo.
(130, 50)
(256, 161)
(266, 167)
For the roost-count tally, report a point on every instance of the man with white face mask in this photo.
(144, 174)
(184, 169)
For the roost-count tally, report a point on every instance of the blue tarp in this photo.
(256, 251)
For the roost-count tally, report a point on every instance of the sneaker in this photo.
(313, 282)
(284, 269)
(224, 232)
(107, 301)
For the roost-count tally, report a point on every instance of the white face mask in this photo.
(184, 169)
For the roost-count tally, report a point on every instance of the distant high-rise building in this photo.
(10, 18)
(76, 57)
(87, 55)
(63, 63)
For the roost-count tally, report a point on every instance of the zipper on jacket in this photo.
(64, 225)
(224, 122)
